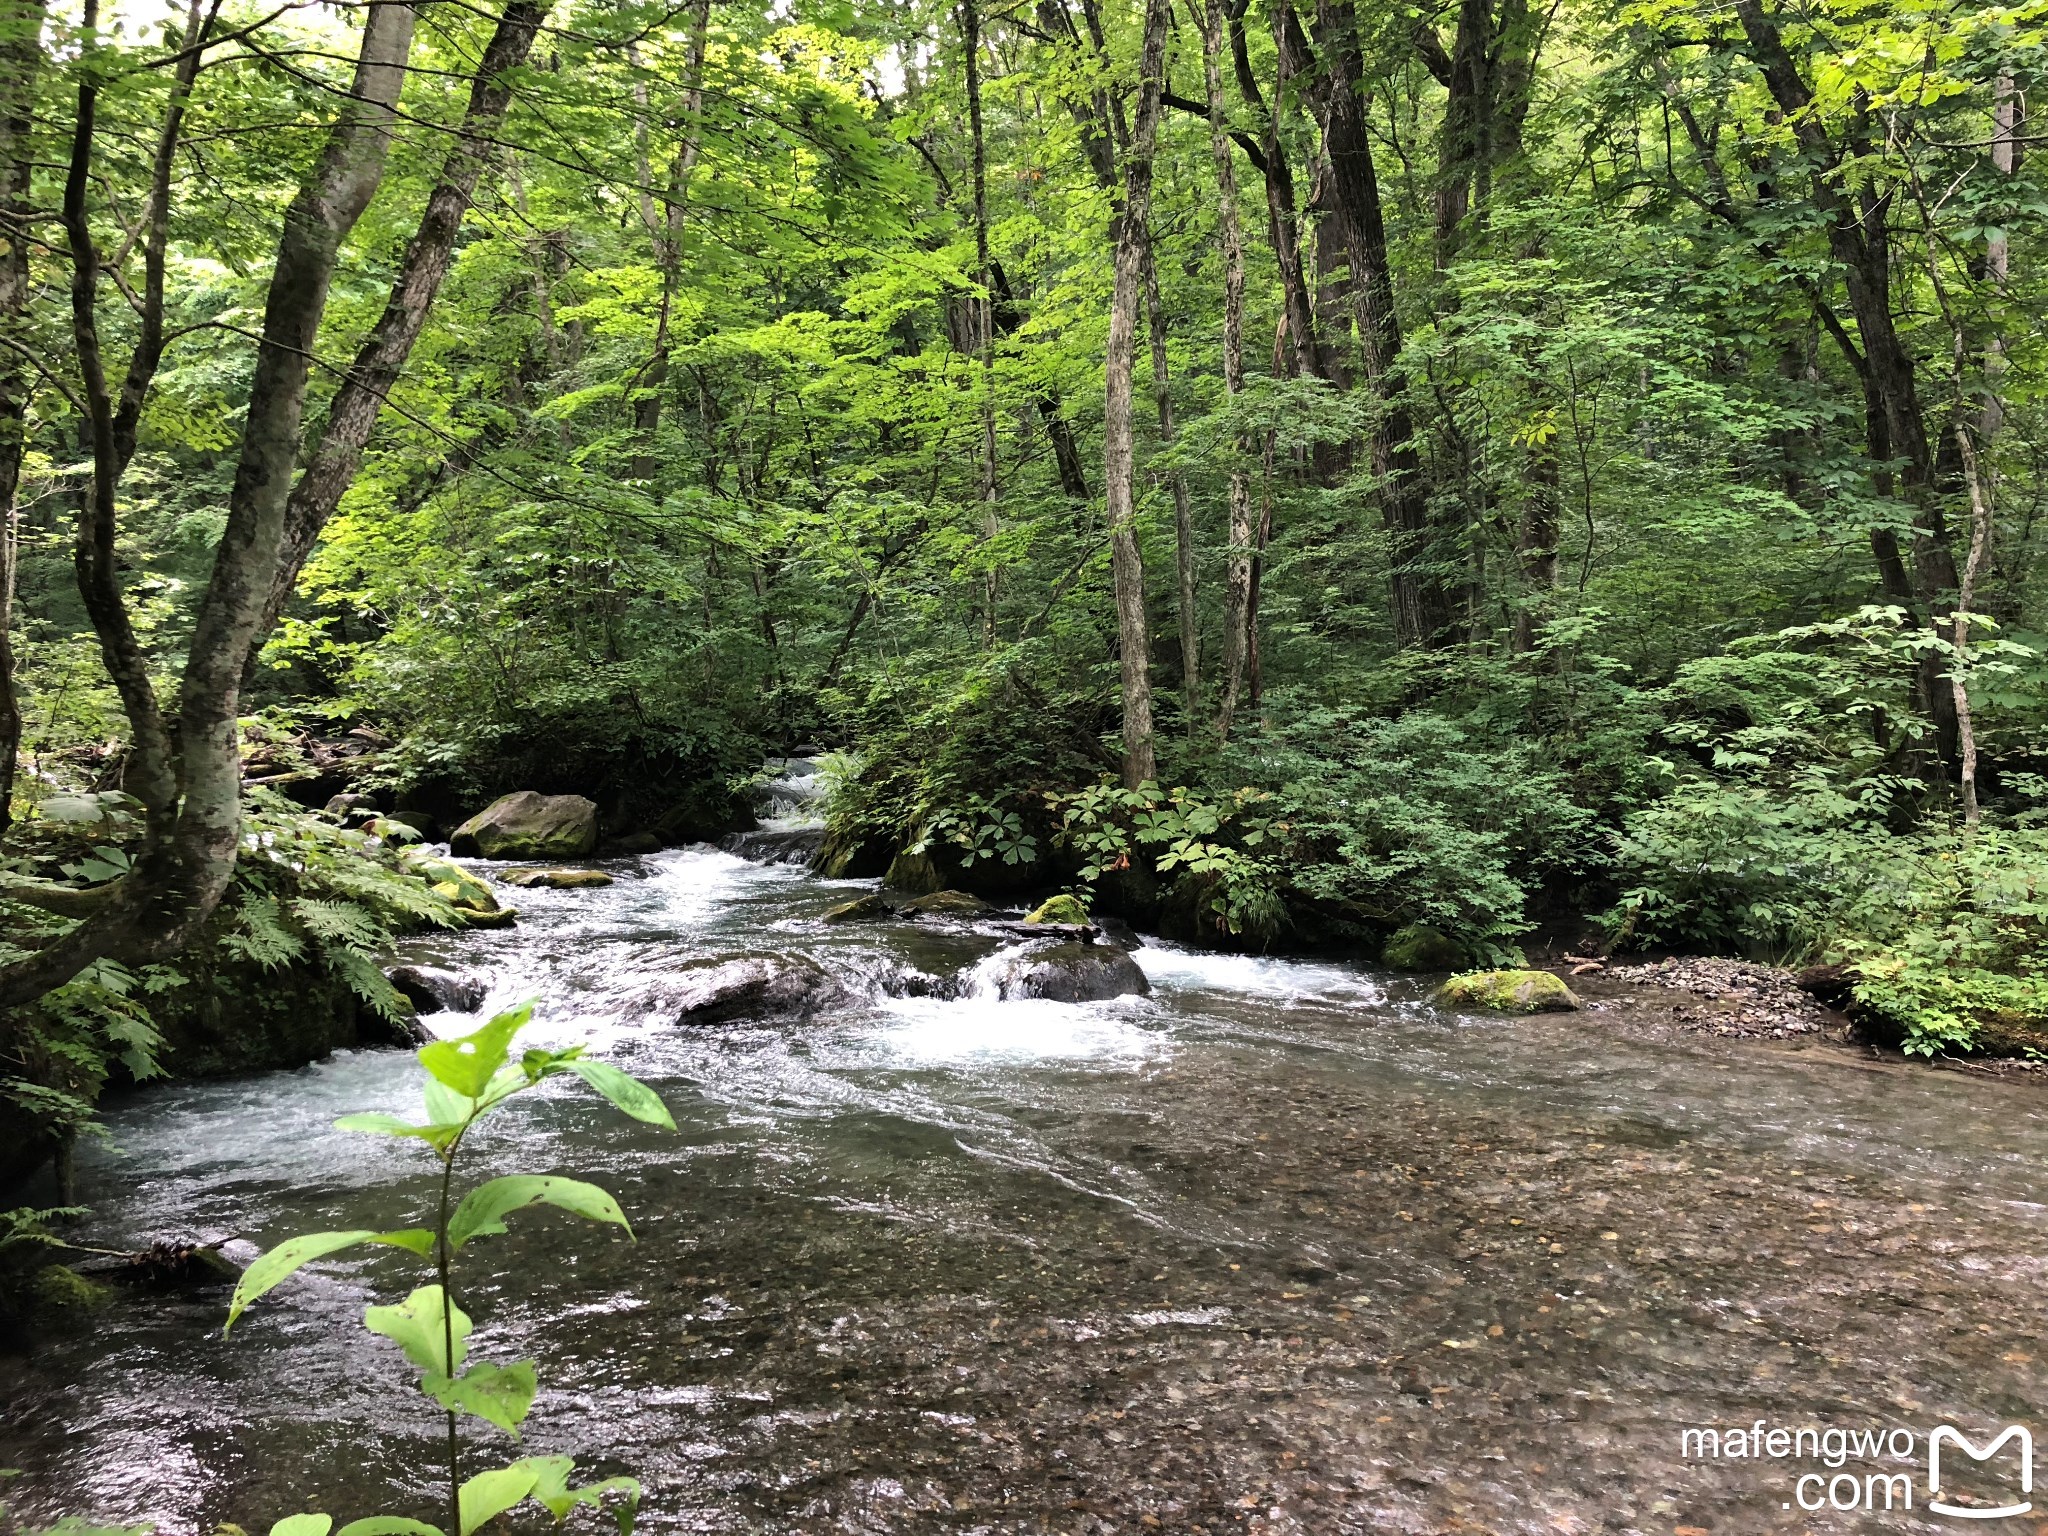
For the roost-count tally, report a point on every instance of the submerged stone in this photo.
(1509, 992)
(746, 987)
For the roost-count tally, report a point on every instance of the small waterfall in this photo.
(790, 805)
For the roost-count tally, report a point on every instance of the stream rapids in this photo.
(1281, 1247)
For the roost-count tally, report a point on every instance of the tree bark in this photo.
(1183, 514)
(194, 825)
(1423, 605)
(984, 313)
(352, 414)
(1238, 580)
(1119, 467)
(21, 55)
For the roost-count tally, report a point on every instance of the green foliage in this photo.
(467, 1078)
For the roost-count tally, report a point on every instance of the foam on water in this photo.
(1286, 982)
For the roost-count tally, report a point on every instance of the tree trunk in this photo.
(194, 826)
(984, 313)
(1119, 467)
(1424, 610)
(21, 55)
(1237, 586)
(1183, 514)
(352, 414)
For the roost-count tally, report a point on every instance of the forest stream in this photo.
(1282, 1246)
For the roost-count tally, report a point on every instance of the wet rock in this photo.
(1419, 947)
(1063, 909)
(914, 872)
(433, 990)
(526, 825)
(718, 991)
(352, 805)
(1065, 973)
(61, 1297)
(846, 856)
(862, 909)
(947, 904)
(1509, 992)
(554, 879)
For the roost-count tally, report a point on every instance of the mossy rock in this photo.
(555, 879)
(504, 917)
(914, 872)
(526, 825)
(862, 909)
(1509, 992)
(1059, 909)
(63, 1296)
(948, 904)
(1419, 947)
(454, 883)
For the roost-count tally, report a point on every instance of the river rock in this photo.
(1419, 947)
(757, 987)
(555, 879)
(633, 844)
(947, 904)
(1509, 992)
(526, 825)
(433, 990)
(1062, 909)
(862, 909)
(1066, 973)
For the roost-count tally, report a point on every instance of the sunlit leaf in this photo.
(490, 1494)
(627, 1093)
(423, 1325)
(467, 1064)
(483, 1209)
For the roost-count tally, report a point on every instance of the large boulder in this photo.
(1064, 973)
(913, 872)
(862, 909)
(1509, 992)
(526, 825)
(755, 987)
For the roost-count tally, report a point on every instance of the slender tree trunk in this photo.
(667, 234)
(21, 55)
(1980, 550)
(1238, 580)
(1183, 514)
(352, 414)
(984, 314)
(1119, 466)
(194, 801)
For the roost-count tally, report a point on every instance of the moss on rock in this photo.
(948, 904)
(1059, 909)
(1509, 992)
(555, 879)
(861, 909)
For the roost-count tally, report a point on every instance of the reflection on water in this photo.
(1280, 1247)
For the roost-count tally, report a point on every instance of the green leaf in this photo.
(439, 1134)
(420, 1325)
(627, 1093)
(468, 1064)
(490, 1494)
(415, 1239)
(551, 1488)
(282, 1260)
(303, 1525)
(501, 1394)
(483, 1209)
(389, 1525)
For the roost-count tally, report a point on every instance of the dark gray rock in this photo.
(756, 987)
(1069, 973)
(431, 989)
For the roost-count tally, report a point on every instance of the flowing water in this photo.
(1280, 1247)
